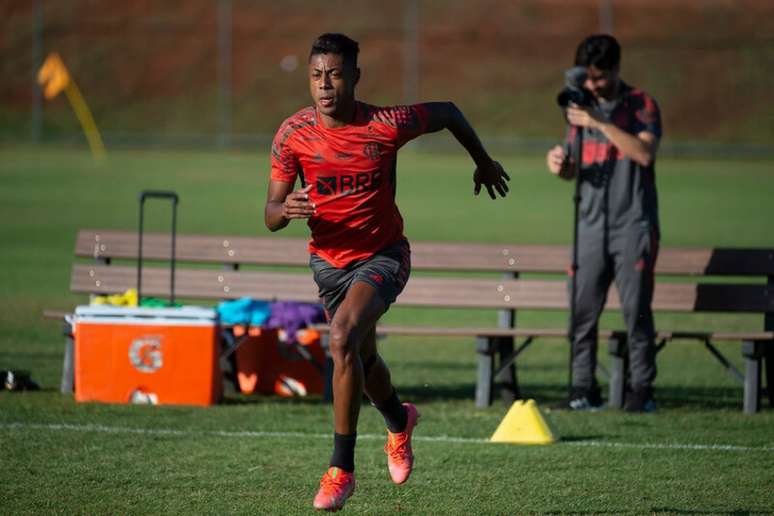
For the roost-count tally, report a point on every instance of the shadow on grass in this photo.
(11, 356)
(234, 398)
(666, 397)
(699, 397)
(672, 397)
(738, 512)
(622, 511)
(580, 438)
(432, 392)
(667, 510)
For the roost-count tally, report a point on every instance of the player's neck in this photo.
(342, 117)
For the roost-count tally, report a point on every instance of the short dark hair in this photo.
(335, 43)
(601, 51)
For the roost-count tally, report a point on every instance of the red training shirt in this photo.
(352, 169)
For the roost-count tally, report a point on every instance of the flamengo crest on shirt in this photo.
(347, 184)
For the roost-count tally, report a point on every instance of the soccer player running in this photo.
(344, 153)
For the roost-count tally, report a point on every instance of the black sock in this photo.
(394, 413)
(344, 451)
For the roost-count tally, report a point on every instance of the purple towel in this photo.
(293, 316)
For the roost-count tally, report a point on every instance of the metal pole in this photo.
(606, 16)
(577, 152)
(37, 60)
(139, 250)
(410, 51)
(505, 345)
(174, 258)
(224, 72)
(768, 325)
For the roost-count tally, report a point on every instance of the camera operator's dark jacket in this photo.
(618, 195)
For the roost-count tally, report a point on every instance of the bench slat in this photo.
(192, 248)
(194, 283)
(425, 255)
(293, 251)
(215, 284)
(420, 291)
(427, 331)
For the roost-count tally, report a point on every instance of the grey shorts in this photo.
(387, 271)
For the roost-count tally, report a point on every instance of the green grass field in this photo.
(697, 455)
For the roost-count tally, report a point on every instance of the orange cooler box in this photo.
(147, 355)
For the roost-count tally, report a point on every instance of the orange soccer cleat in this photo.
(336, 486)
(400, 457)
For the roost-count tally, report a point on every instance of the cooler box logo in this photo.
(145, 354)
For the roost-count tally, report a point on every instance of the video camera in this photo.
(574, 92)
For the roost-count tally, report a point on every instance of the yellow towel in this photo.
(128, 298)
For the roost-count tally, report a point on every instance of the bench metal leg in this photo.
(509, 385)
(752, 353)
(68, 363)
(619, 357)
(68, 368)
(733, 371)
(227, 360)
(769, 359)
(506, 376)
(485, 380)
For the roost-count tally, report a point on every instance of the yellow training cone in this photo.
(524, 424)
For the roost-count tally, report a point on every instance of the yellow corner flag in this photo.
(524, 424)
(54, 78)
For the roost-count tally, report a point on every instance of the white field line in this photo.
(420, 438)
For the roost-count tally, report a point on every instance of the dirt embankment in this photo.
(154, 66)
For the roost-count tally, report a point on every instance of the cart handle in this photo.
(158, 194)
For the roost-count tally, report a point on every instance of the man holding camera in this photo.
(617, 224)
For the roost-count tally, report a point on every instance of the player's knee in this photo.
(341, 343)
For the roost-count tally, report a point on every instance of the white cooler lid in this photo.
(183, 315)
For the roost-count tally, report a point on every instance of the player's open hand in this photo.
(493, 177)
(297, 204)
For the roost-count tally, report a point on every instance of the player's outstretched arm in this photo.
(283, 204)
(489, 173)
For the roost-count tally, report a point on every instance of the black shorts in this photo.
(387, 271)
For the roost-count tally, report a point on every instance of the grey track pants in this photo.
(628, 257)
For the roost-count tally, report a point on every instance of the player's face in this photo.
(602, 83)
(332, 85)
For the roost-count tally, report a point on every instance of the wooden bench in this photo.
(241, 260)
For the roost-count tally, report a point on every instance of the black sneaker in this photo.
(582, 399)
(640, 400)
